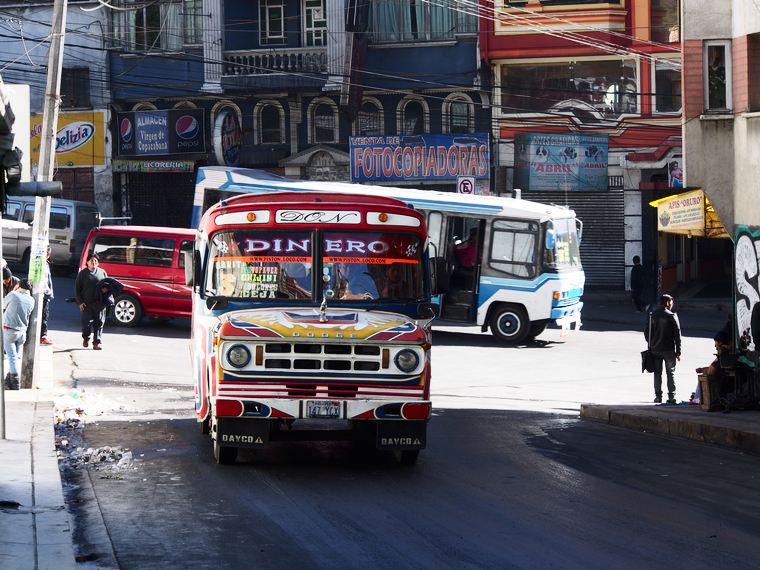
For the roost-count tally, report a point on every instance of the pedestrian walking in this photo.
(93, 312)
(637, 283)
(663, 333)
(47, 296)
(18, 306)
(9, 281)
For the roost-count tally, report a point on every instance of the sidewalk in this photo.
(34, 525)
(704, 315)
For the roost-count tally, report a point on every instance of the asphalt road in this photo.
(511, 477)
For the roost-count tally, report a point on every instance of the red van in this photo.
(150, 262)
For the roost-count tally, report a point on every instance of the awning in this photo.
(689, 214)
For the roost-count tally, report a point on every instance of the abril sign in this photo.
(176, 131)
(546, 161)
(419, 157)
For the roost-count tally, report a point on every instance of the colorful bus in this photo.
(514, 266)
(311, 321)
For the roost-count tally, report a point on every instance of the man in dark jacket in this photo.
(637, 282)
(93, 312)
(663, 333)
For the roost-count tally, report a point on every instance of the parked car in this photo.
(70, 222)
(150, 262)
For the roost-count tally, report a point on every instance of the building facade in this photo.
(283, 85)
(82, 152)
(587, 113)
(722, 129)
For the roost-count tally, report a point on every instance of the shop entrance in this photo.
(157, 198)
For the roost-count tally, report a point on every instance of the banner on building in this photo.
(79, 140)
(546, 161)
(420, 157)
(152, 165)
(176, 131)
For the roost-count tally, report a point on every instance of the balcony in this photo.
(289, 68)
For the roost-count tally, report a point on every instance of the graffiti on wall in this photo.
(747, 281)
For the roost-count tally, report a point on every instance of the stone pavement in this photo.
(35, 533)
(739, 429)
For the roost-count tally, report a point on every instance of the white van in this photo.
(70, 223)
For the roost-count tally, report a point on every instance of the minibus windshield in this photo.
(371, 265)
(260, 265)
(566, 252)
(355, 266)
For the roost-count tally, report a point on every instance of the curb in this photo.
(715, 432)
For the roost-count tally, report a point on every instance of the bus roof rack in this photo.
(102, 218)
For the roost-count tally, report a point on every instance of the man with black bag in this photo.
(663, 333)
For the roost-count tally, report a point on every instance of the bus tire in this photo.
(509, 323)
(225, 455)
(206, 425)
(127, 311)
(407, 456)
(536, 329)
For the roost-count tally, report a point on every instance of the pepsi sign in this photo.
(175, 131)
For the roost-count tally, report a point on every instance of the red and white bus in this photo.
(311, 321)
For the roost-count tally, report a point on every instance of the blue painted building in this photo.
(284, 84)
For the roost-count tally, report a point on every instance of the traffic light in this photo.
(10, 180)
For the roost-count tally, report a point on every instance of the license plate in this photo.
(322, 409)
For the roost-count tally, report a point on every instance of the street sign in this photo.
(466, 185)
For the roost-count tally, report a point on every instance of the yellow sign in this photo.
(79, 140)
(682, 214)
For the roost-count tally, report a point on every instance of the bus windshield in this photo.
(566, 252)
(371, 265)
(268, 264)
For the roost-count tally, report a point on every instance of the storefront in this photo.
(154, 176)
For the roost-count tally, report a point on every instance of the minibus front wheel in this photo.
(127, 311)
(510, 323)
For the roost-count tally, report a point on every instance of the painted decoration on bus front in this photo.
(419, 157)
(305, 323)
(546, 161)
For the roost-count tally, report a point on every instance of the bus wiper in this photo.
(323, 310)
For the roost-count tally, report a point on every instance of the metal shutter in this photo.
(603, 244)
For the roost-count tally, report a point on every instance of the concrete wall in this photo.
(706, 20)
(746, 161)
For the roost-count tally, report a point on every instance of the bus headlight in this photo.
(238, 356)
(407, 360)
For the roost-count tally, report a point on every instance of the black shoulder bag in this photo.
(647, 362)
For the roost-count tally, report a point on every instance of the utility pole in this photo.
(38, 255)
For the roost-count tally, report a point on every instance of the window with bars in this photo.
(459, 116)
(414, 118)
(324, 124)
(270, 125)
(369, 120)
(75, 87)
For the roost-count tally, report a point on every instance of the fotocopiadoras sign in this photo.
(418, 157)
(176, 131)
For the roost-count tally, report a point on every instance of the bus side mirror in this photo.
(428, 310)
(217, 303)
(192, 267)
(550, 241)
(439, 276)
